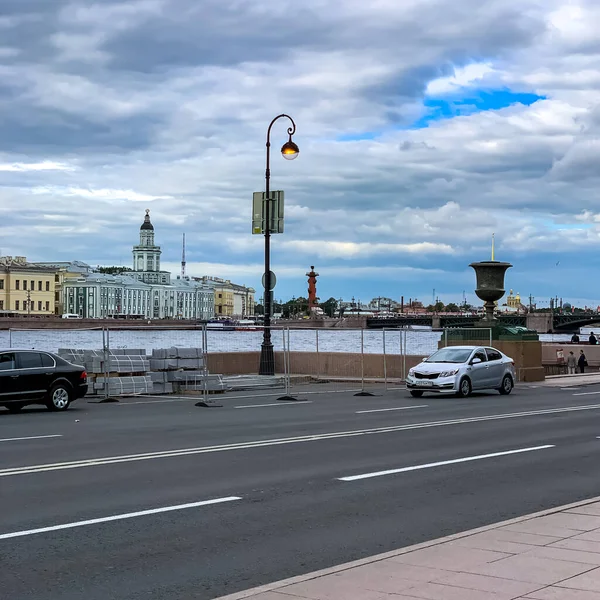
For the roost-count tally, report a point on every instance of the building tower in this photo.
(146, 256)
(312, 289)
(183, 259)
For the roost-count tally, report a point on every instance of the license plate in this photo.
(424, 383)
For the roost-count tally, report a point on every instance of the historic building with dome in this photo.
(145, 292)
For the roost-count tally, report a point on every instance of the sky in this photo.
(424, 126)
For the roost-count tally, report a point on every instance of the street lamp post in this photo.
(289, 151)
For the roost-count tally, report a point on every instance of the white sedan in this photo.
(461, 370)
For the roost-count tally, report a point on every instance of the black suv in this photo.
(31, 377)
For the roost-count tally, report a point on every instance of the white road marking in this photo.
(362, 412)
(133, 515)
(94, 462)
(441, 463)
(586, 394)
(275, 404)
(33, 437)
(569, 389)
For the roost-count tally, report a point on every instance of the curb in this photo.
(270, 587)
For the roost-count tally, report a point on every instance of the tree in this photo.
(452, 307)
(259, 309)
(439, 307)
(329, 307)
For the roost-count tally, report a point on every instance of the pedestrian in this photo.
(582, 362)
(593, 340)
(575, 339)
(571, 363)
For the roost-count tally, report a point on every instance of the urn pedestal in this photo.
(490, 286)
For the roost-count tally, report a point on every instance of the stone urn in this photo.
(490, 284)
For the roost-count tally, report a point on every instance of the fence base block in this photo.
(288, 399)
(203, 404)
(103, 400)
(363, 393)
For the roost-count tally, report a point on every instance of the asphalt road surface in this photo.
(155, 498)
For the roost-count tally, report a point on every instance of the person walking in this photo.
(593, 341)
(582, 362)
(571, 363)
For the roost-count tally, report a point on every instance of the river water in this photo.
(417, 341)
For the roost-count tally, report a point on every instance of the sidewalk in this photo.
(551, 555)
(571, 380)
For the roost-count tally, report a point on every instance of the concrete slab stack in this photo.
(182, 369)
(127, 370)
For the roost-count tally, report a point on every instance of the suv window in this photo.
(30, 360)
(493, 354)
(7, 361)
(47, 360)
(480, 354)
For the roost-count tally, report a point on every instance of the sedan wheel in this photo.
(60, 398)
(416, 393)
(14, 408)
(507, 385)
(464, 389)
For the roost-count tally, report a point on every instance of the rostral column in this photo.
(312, 289)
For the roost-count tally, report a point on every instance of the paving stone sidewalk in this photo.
(552, 555)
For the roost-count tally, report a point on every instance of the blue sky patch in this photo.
(448, 107)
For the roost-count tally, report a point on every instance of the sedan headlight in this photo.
(449, 373)
(411, 372)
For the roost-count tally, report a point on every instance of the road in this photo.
(155, 498)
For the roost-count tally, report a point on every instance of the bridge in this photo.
(540, 322)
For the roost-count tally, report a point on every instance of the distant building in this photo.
(146, 292)
(513, 303)
(231, 299)
(26, 288)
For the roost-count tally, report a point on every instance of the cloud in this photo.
(423, 127)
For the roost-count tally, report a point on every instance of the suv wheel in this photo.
(59, 397)
(507, 385)
(464, 388)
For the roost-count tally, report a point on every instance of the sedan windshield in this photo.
(450, 355)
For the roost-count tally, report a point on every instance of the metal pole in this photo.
(362, 360)
(318, 362)
(205, 363)
(403, 350)
(106, 358)
(267, 358)
(285, 365)
(10, 338)
(385, 381)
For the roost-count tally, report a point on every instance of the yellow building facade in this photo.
(26, 289)
(224, 300)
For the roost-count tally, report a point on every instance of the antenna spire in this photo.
(493, 245)
(183, 259)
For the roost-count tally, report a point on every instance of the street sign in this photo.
(276, 199)
(273, 280)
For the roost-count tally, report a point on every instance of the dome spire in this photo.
(147, 224)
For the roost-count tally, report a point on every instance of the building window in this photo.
(1, 304)
(16, 305)
(24, 284)
(1, 284)
(32, 285)
(47, 305)
(47, 286)
(39, 286)
(40, 305)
